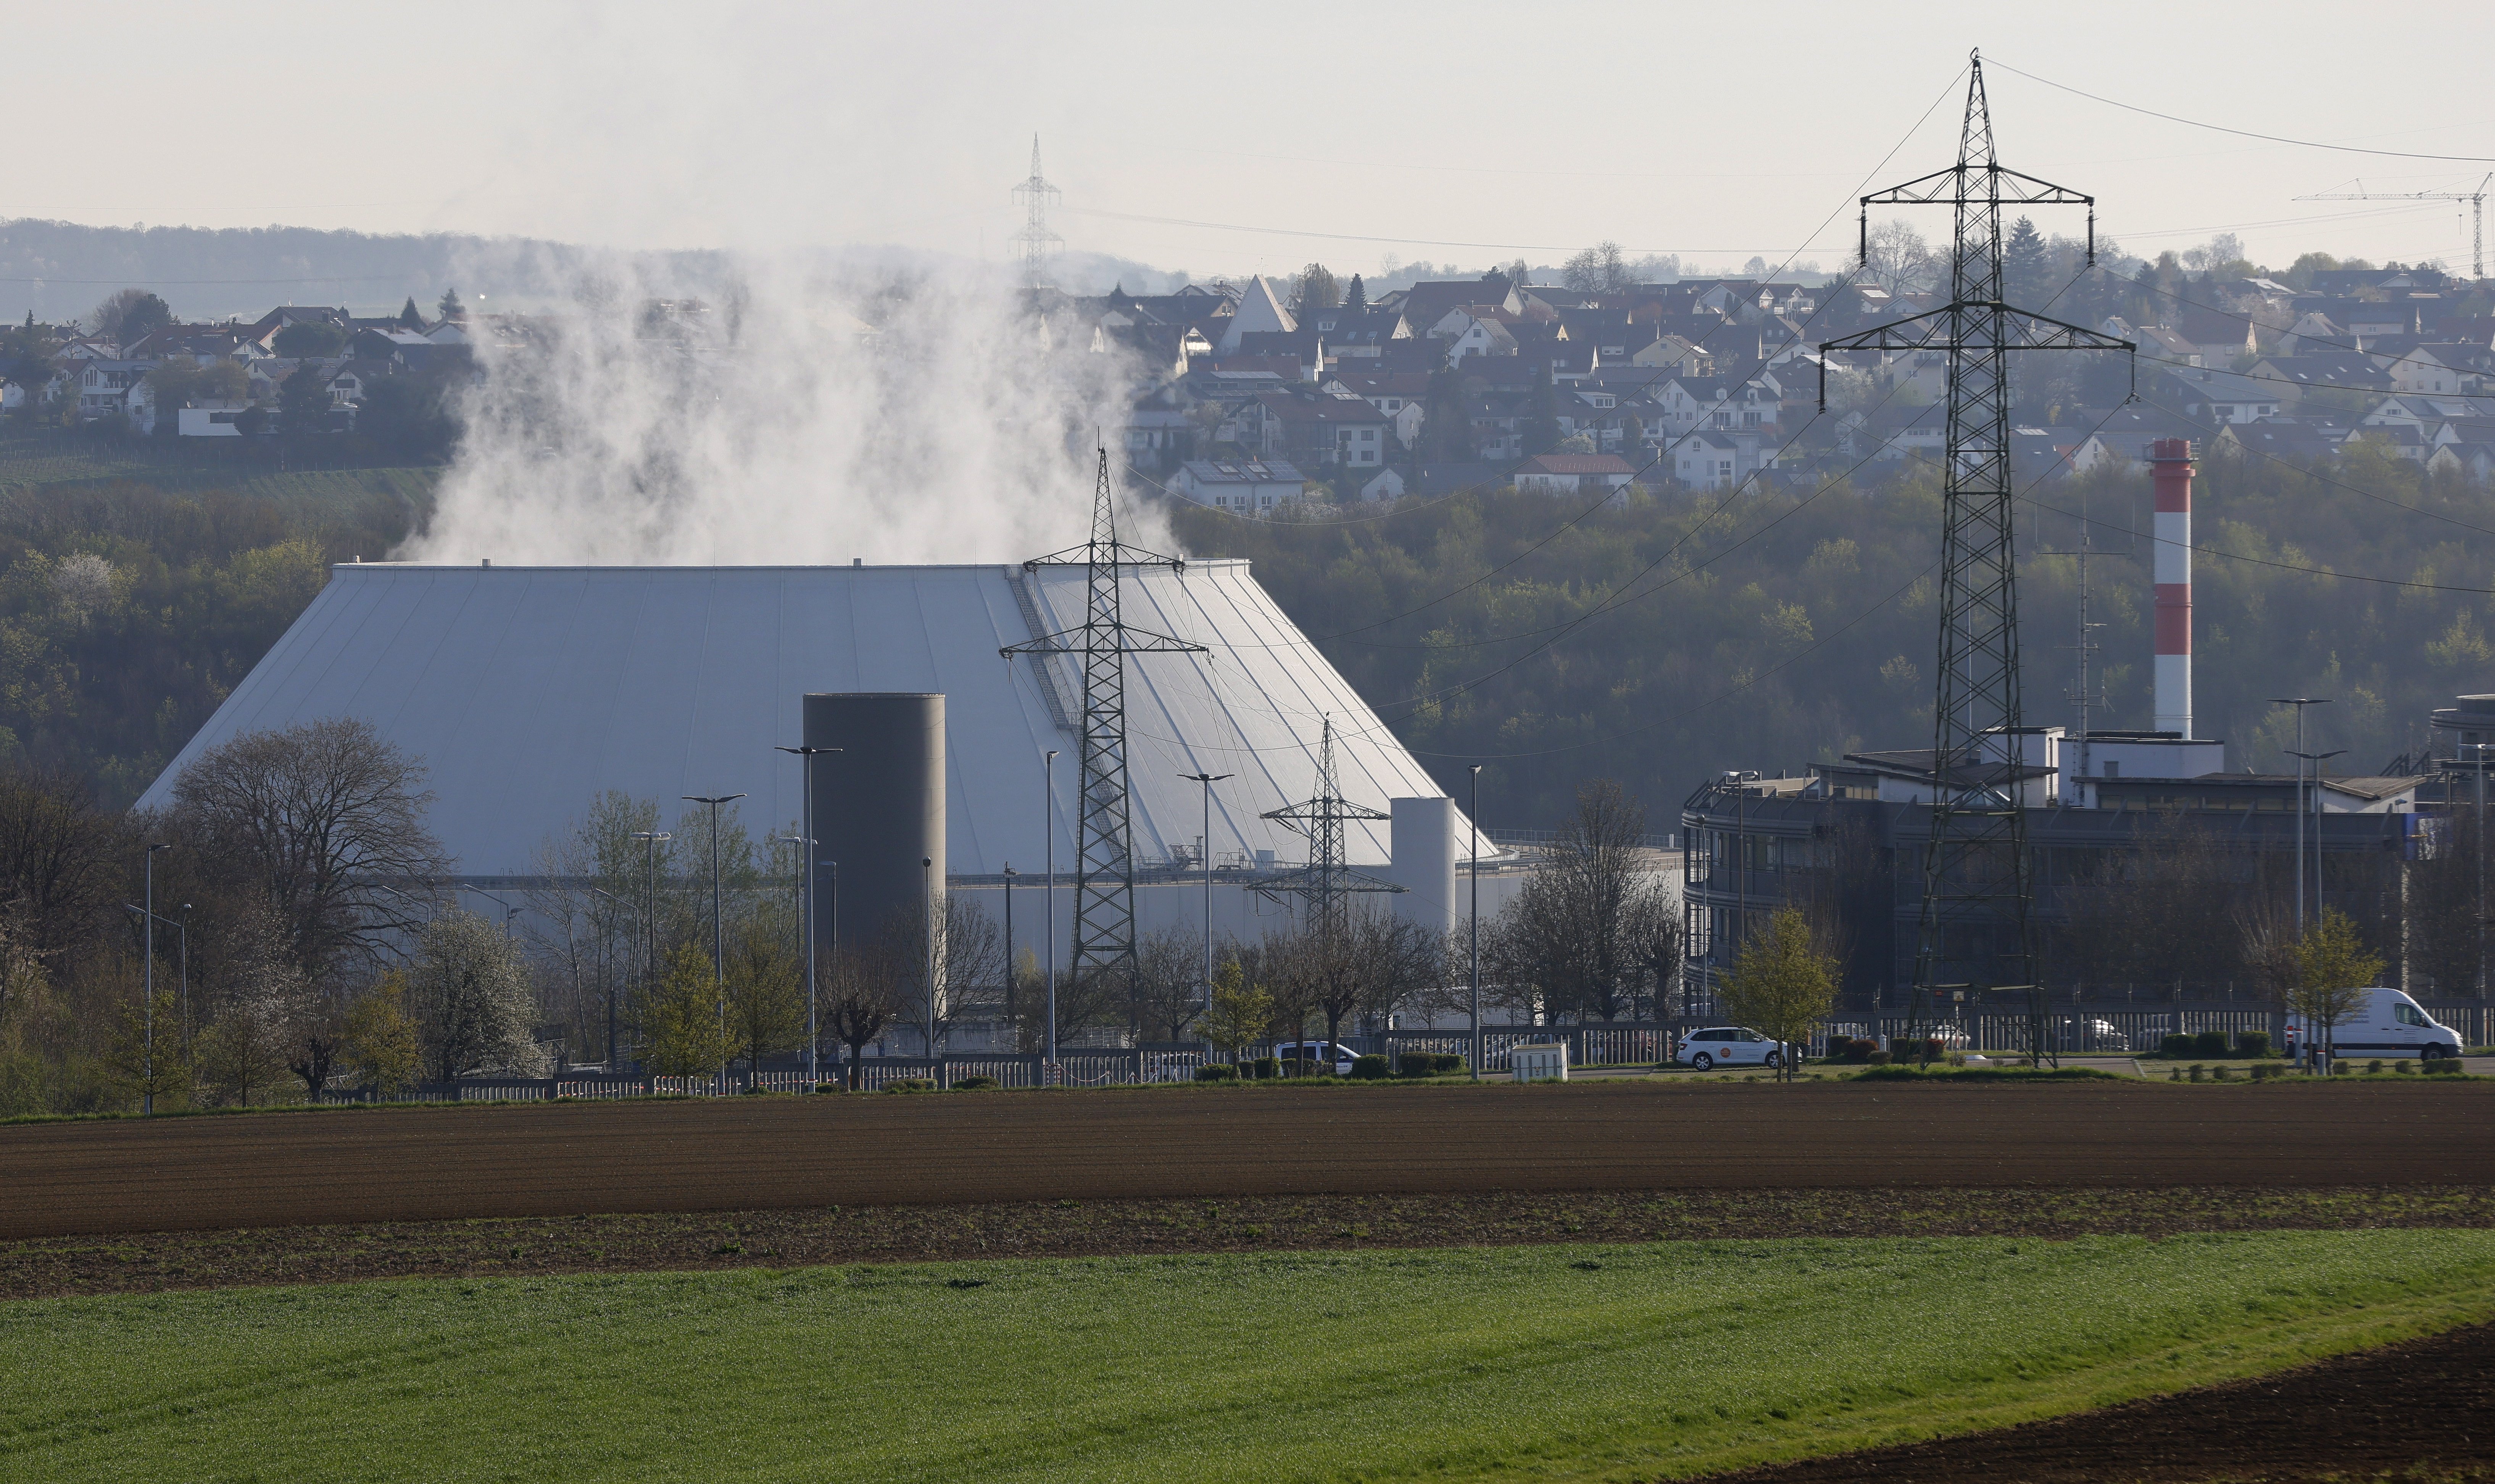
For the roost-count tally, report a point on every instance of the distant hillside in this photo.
(60, 270)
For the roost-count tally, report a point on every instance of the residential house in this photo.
(1707, 461)
(1259, 312)
(2274, 438)
(1573, 474)
(104, 386)
(1249, 487)
(2216, 397)
(1322, 430)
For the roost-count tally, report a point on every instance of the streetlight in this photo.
(1208, 779)
(718, 951)
(804, 844)
(2317, 759)
(2299, 702)
(1736, 778)
(510, 912)
(183, 969)
(1010, 1019)
(605, 945)
(806, 908)
(2477, 828)
(650, 839)
(1473, 931)
(927, 920)
(1048, 832)
(147, 1098)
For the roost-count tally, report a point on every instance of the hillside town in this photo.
(1254, 397)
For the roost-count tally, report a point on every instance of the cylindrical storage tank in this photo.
(2170, 460)
(1422, 846)
(879, 810)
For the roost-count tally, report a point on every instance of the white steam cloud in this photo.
(784, 413)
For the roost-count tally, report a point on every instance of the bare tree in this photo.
(1602, 268)
(58, 858)
(1370, 964)
(1576, 940)
(261, 1005)
(321, 818)
(1899, 259)
(861, 991)
(1166, 988)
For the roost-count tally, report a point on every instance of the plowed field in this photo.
(777, 1153)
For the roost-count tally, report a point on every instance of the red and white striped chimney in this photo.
(2172, 460)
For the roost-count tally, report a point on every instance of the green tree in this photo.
(382, 1048)
(451, 307)
(1781, 985)
(766, 990)
(128, 313)
(411, 318)
(303, 401)
(682, 1031)
(1542, 417)
(309, 338)
(2333, 971)
(1316, 287)
(1240, 1012)
(145, 1059)
(1357, 297)
(2025, 266)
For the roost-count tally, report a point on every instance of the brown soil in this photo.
(744, 1154)
(58, 1266)
(2422, 1410)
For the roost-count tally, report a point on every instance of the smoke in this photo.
(788, 412)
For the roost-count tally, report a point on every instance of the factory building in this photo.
(527, 692)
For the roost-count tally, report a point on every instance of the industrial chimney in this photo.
(2172, 460)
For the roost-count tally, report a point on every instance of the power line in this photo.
(2274, 138)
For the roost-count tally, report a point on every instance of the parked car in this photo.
(2100, 1036)
(2387, 1023)
(1727, 1045)
(1333, 1055)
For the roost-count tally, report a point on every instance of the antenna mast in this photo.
(1977, 926)
(2477, 200)
(1105, 856)
(1035, 244)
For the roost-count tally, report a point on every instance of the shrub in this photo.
(2173, 1074)
(1428, 1063)
(2222, 1074)
(2211, 1043)
(2252, 1043)
(1216, 1071)
(1850, 1048)
(1265, 1067)
(2176, 1043)
(2199, 1072)
(2374, 1068)
(1878, 1058)
(976, 1084)
(2403, 1068)
(911, 1084)
(1369, 1069)
(1921, 1049)
(2444, 1066)
(2264, 1072)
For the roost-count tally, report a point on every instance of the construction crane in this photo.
(2477, 200)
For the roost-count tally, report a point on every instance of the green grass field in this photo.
(1559, 1363)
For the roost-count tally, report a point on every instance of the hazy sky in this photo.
(1457, 133)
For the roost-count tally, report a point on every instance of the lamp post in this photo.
(1473, 931)
(2478, 829)
(510, 912)
(805, 848)
(1048, 832)
(805, 905)
(650, 839)
(717, 945)
(605, 941)
(2299, 702)
(927, 918)
(1208, 779)
(147, 1096)
(1009, 950)
(1736, 778)
(2317, 759)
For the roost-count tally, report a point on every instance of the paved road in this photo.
(1654, 1132)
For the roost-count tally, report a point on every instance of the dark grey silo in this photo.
(878, 806)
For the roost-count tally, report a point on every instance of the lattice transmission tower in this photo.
(1105, 856)
(1976, 930)
(1326, 884)
(1035, 244)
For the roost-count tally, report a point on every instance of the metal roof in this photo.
(528, 691)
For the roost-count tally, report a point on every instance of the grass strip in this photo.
(1560, 1362)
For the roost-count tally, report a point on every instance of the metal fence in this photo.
(1079, 1069)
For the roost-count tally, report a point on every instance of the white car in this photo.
(1325, 1054)
(1727, 1045)
(2387, 1023)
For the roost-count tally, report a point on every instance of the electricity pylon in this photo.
(2477, 200)
(1324, 885)
(1035, 242)
(1976, 930)
(1105, 856)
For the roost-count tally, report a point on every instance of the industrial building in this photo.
(527, 692)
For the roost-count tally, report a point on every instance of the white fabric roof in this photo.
(530, 690)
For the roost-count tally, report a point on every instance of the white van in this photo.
(1727, 1045)
(2388, 1023)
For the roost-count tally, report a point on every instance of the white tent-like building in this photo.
(528, 691)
